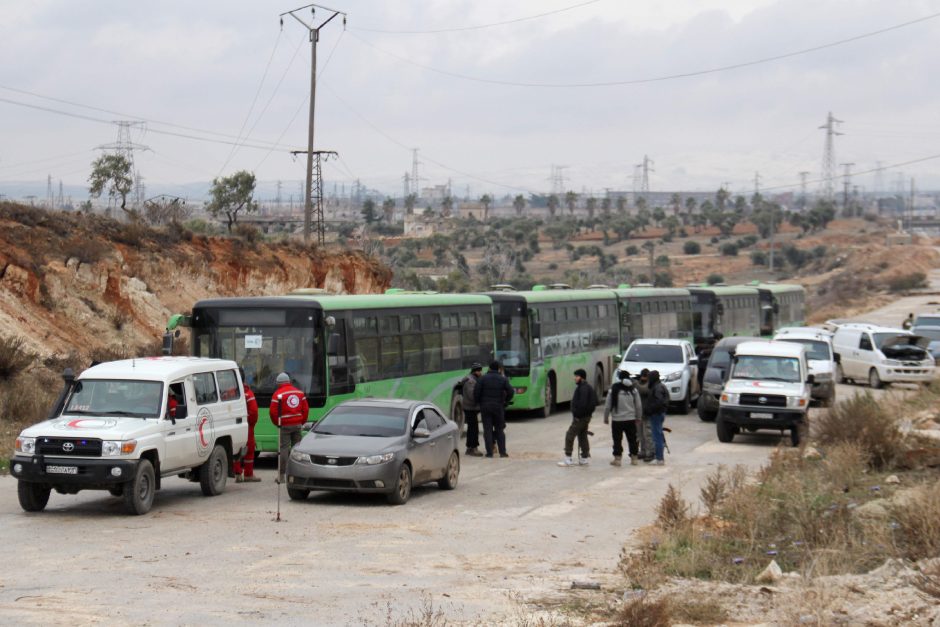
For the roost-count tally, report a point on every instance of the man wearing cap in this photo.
(471, 409)
(288, 412)
(583, 402)
(492, 392)
(625, 408)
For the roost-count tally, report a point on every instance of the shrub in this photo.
(819, 251)
(714, 239)
(247, 233)
(905, 282)
(632, 251)
(662, 261)
(691, 248)
(715, 279)
(14, 358)
(918, 519)
(673, 510)
(644, 612)
(863, 421)
(758, 258)
(25, 403)
(729, 250)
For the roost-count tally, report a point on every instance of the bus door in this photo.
(341, 377)
(535, 329)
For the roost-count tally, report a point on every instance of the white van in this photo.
(820, 357)
(881, 355)
(768, 388)
(123, 426)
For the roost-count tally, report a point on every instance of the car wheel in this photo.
(796, 434)
(138, 492)
(402, 491)
(117, 490)
(725, 430)
(298, 494)
(33, 496)
(840, 376)
(451, 474)
(214, 473)
(703, 414)
(457, 414)
(549, 397)
(874, 381)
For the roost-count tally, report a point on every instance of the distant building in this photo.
(419, 226)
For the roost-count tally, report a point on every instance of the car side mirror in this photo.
(693, 361)
(811, 379)
(836, 357)
(618, 357)
(420, 433)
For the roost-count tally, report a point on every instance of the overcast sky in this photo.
(199, 65)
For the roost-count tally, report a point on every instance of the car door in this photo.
(422, 449)
(865, 355)
(179, 433)
(441, 443)
(692, 361)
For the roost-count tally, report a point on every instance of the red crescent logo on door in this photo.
(202, 436)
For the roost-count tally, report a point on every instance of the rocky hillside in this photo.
(73, 284)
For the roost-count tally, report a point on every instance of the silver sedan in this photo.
(376, 445)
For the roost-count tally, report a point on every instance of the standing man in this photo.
(623, 403)
(245, 467)
(645, 436)
(908, 323)
(583, 402)
(658, 404)
(288, 411)
(492, 393)
(471, 409)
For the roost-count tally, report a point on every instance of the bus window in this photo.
(512, 334)
(432, 352)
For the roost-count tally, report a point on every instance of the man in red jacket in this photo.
(245, 468)
(288, 411)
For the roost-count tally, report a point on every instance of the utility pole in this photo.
(49, 197)
(803, 176)
(756, 184)
(647, 167)
(910, 227)
(846, 183)
(314, 34)
(829, 156)
(415, 178)
(773, 228)
(277, 199)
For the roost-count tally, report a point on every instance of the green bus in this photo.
(781, 305)
(654, 312)
(397, 345)
(544, 335)
(728, 310)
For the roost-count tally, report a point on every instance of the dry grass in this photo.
(644, 612)
(697, 611)
(672, 511)
(14, 358)
(917, 518)
(862, 420)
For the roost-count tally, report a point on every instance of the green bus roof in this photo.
(779, 288)
(727, 290)
(640, 292)
(380, 301)
(556, 296)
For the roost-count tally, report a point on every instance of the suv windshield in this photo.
(378, 422)
(815, 349)
(109, 397)
(654, 353)
(763, 368)
(931, 333)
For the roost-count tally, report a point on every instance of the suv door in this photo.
(179, 432)
(692, 368)
(232, 411)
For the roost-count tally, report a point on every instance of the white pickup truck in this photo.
(123, 426)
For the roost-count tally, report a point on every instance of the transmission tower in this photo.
(879, 178)
(829, 156)
(803, 177)
(415, 178)
(277, 199)
(406, 185)
(49, 197)
(316, 197)
(846, 185)
(757, 184)
(645, 168)
(557, 179)
(60, 199)
(125, 147)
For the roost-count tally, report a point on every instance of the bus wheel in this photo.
(549, 398)
(456, 413)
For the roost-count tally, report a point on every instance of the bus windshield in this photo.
(512, 334)
(265, 342)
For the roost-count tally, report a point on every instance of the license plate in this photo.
(62, 470)
(759, 415)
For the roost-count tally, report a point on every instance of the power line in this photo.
(254, 101)
(151, 130)
(869, 171)
(640, 81)
(456, 29)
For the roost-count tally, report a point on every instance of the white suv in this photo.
(820, 358)
(768, 388)
(677, 365)
(123, 426)
(881, 355)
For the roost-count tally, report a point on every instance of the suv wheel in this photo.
(33, 496)
(703, 414)
(725, 430)
(138, 492)
(214, 473)
(796, 434)
(874, 380)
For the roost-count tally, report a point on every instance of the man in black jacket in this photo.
(656, 412)
(492, 393)
(583, 402)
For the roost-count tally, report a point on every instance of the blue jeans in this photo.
(659, 441)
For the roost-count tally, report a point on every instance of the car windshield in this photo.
(927, 319)
(654, 354)
(815, 349)
(109, 397)
(931, 333)
(377, 422)
(765, 368)
(881, 338)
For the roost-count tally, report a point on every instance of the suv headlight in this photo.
(675, 376)
(297, 456)
(372, 460)
(26, 445)
(111, 448)
(731, 399)
(796, 401)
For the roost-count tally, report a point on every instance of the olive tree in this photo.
(111, 173)
(231, 195)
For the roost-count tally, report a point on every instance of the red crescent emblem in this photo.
(75, 424)
(202, 437)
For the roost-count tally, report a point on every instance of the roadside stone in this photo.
(893, 480)
(811, 453)
(772, 574)
(872, 510)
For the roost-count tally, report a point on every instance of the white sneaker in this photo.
(584, 461)
(659, 462)
(566, 462)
